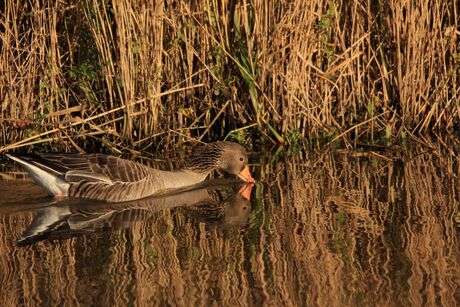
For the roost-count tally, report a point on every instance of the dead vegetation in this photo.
(129, 74)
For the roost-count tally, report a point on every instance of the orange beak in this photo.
(245, 175)
(245, 190)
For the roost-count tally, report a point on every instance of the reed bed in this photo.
(133, 74)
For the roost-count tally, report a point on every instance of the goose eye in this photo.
(241, 159)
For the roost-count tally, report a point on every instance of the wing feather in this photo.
(88, 167)
(75, 176)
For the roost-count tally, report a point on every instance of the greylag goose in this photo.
(112, 179)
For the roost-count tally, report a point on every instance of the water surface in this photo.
(327, 228)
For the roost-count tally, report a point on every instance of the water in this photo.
(330, 228)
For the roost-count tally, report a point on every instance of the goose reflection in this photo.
(223, 203)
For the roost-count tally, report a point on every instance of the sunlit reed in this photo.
(136, 74)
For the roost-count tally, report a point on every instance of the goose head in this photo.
(228, 156)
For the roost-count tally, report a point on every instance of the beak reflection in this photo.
(245, 190)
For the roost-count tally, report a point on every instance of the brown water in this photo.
(327, 229)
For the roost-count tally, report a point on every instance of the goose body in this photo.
(108, 178)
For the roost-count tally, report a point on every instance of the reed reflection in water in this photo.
(323, 229)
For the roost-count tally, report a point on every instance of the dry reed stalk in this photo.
(31, 63)
(78, 121)
(299, 70)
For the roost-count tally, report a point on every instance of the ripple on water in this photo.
(333, 229)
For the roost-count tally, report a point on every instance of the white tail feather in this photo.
(52, 184)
